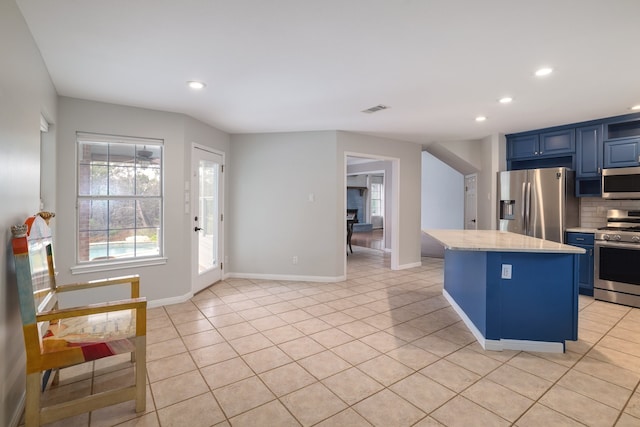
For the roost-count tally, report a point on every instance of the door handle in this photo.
(524, 207)
(196, 229)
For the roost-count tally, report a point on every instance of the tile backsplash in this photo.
(593, 210)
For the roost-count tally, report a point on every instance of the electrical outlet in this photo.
(506, 271)
(295, 259)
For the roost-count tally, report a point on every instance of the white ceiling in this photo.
(299, 65)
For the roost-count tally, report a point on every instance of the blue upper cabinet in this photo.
(622, 143)
(558, 142)
(547, 144)
(621, 153)
(522, 147)
(589, 151)
(587, 147)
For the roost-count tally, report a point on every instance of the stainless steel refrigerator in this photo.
(538, 202)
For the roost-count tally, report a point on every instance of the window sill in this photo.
(95, 267)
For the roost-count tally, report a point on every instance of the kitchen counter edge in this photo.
(497, 241)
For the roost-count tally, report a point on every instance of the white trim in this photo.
(411, 265)
(395, 212)
(117, 265)
(88, 137)
(114, 139)
(395, 203)
(168, 301)
(44, 125)
(503, 344)
(541, 346)
(472, 328)
(208, 149)
(288, 277)
(193, 209)
(17, 414)
(475, 207)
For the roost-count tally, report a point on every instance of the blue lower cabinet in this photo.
(584, 241)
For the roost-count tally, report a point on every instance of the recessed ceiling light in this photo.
(195, 85)
(481, 119)
(544, 71)
(505, 100)
(635, 107)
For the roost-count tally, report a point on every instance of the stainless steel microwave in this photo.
(621, 183)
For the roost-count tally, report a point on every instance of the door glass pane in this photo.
(208, 215)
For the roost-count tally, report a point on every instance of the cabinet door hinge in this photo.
(222, 168)
(220, 266)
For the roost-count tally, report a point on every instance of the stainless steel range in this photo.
(617, 259)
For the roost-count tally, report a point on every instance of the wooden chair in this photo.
(56, 338)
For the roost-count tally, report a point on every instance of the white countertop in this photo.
(498, 241)
(580, 230)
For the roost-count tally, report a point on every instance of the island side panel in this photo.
(465, 279)
(540, 301)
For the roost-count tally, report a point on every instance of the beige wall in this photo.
(407, 187)
(487, 157)
(272, 177)
(26, 92)
(169, 282)
(283, 203)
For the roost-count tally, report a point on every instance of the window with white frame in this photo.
(377, 197)
(120, 198)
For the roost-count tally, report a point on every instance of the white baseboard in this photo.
(412, 265)
(168, 301)
(17, 413)
(288, 277)
(186, 297)
(503, 344)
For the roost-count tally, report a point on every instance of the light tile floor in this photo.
(383, 348)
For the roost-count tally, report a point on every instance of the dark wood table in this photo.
(350, 223)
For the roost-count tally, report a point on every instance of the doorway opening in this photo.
(365, 206)
(471, 202)
(371, 200)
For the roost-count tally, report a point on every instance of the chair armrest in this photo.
(138, 304)
(106, 307)
(133, 279)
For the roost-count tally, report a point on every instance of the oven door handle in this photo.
(610, 244)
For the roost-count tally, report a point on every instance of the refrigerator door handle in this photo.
(524, 207)
(527, 209)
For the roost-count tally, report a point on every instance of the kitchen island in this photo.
(512, 291)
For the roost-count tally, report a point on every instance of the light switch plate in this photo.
(506, 271)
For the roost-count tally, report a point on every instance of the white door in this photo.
(470, 202)
(206, 218)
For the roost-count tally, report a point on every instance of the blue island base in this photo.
(535, 310)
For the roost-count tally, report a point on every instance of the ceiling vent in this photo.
(375, 109)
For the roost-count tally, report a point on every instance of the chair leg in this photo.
(56, 377)
(45, 379)
(32, 403)
(141, 373)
